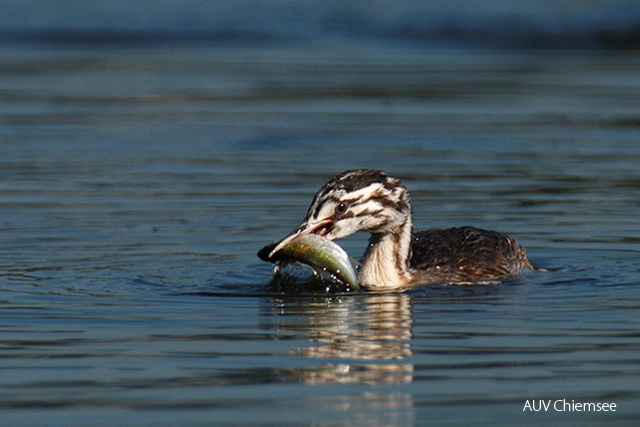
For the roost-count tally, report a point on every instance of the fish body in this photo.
(319, 253)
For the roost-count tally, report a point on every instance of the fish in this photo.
(321, 254)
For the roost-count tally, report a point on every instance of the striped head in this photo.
(355, 200)
(358, 200)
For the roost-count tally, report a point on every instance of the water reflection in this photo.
(365, 339)
(358, 339)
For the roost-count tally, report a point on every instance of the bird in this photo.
(396, 256)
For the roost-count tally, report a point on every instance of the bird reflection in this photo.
(365, 339)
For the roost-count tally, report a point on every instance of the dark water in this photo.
(137, 183)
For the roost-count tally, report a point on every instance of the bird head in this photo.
(355, 200)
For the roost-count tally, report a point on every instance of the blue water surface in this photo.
(138, 181)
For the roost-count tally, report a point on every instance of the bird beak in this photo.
(320, 227)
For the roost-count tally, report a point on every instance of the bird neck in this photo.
(385, 264)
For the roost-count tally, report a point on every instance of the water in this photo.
(139, 179)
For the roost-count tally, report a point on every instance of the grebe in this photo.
(397, 257)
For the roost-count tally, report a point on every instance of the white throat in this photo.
(385, 264)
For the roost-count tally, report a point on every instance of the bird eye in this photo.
(341, 208)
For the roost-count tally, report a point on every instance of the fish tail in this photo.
(532, 267)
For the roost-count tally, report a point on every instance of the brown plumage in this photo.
(465, 254)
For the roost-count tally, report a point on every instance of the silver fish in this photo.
(317, 252)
